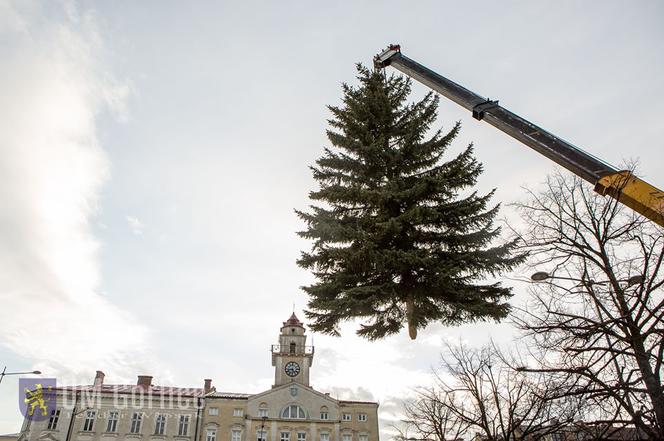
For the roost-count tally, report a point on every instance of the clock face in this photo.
(292, 369)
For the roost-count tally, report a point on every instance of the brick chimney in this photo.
(99, 379)
(145, 381)
(208, 385)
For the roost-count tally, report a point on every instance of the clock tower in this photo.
(292, 358)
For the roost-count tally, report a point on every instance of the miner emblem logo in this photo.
(36, 397)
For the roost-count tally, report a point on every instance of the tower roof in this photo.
(293, 321)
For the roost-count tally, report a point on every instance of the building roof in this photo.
(193, 392)
(228, 395)
(293, 321)
(241, 396)
(136, 389)
(357, 402)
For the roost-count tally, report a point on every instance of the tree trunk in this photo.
(653, 388)
(637, 341)
(410, 307)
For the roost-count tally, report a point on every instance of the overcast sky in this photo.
(152, 153)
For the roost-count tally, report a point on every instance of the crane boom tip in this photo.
(382, 60)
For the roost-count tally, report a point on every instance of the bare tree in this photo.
(597, 323)
(478, 391)
(431, 418)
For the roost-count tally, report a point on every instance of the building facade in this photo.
(290, 411)
(101, 412)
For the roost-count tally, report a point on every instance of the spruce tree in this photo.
(394, 243)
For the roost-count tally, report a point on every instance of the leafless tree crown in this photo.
(597, 322)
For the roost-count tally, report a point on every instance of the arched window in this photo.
(293, 412)
(292, 347)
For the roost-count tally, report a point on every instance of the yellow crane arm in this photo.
(644, 198)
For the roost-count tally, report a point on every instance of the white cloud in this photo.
(51, 171)
(386, 371)
(135, 225)
(10, 19)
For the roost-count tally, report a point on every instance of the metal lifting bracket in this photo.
(479, 109)
(382, 60)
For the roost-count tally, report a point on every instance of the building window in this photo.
(53, 420)
(183, 427)
(362, 417)
(348, 437)
(262, 413)
(89, 420)
(364, 437)
(238, 412)
(136, 420)
(284, 436)
(324, 436)
(347, 417)
(236, 435)
(293, 412)
(323, 413)
(301, 436)
(292, 348)
(213, 411)
(112, 424)
(160, 424)
(261, 435)
(211, 435)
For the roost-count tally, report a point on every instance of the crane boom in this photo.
(620, 184)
